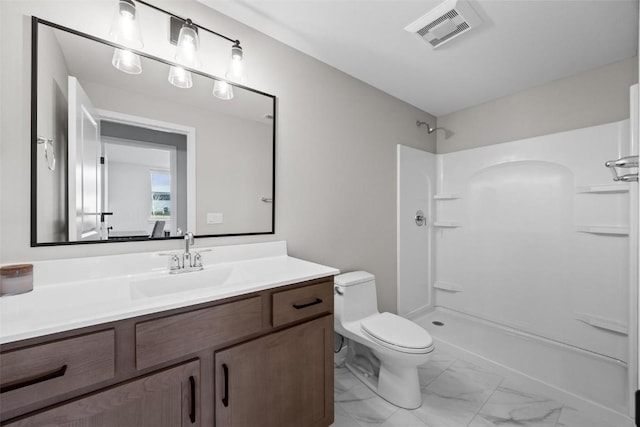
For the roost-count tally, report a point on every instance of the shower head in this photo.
(429, 128)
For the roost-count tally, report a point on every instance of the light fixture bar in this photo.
(184, 19)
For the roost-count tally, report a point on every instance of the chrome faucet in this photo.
(191, 261)
(186, 256)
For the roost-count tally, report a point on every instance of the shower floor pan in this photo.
(592, 383)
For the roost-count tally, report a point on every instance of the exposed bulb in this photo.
(125, 27)
(188, 45)
(222, 90)
(236, 72)
(180, 77)
(126, 61)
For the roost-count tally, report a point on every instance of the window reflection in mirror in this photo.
(138, 158)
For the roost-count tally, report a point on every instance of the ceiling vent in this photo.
(445, 22)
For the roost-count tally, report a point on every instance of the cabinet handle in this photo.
(192, 410)
(45, 376)
(225, 397)
(309, 304)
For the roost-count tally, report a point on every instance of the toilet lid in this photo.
(398, 333)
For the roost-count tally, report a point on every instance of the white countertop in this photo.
(66, 296)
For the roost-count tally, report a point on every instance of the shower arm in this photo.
(429, 128)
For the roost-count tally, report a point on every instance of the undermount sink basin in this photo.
(219, 276)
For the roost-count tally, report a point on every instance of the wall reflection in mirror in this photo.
(139, 158)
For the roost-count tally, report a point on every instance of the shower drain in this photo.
(437, 323)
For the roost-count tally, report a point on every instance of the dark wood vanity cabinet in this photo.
(282, 379)
(169, 398)
(259, 360)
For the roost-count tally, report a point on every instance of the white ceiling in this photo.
(521, 44)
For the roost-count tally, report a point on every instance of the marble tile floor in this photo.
(455, 394)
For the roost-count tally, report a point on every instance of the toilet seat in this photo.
(397, 333)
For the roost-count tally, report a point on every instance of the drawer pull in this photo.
(309, 304)
(192, 409)
(225, 397)
(45, 376)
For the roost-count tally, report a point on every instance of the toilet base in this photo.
(399, 386)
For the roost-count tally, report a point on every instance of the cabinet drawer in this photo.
(300, 303)
(171, 337)
(169, 398)
(47, 370)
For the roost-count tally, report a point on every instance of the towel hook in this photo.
(49, 151)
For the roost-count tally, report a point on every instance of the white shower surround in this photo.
(533, 239)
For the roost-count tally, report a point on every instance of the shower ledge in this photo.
(447, 224)
(447, 196)
(603, 230)
(609, 188)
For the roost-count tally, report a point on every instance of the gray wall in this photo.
(587, 99)
(336, 139)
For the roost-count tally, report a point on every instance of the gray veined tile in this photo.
(428, 373)
(453, 399)
(441, 357)
(403, 418)
(437, 364)
(366, 407)
(508, 407)
(343, 381)
(342, 419)
(476, 374)
(570, 417)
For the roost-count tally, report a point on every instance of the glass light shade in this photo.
(236, 72)
(125, 27)
(222, 90)
(180, 77)
(188, 45)
(126, 61)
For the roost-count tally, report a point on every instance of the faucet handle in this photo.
(197, 260)
(174, 261)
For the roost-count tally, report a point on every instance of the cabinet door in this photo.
(169, 398)
(280, 380)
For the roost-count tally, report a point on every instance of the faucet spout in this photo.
(188, 240)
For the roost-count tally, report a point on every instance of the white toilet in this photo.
(388, 348)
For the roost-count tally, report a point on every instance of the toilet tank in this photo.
(358, 299)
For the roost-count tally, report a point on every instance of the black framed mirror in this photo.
(120, 157)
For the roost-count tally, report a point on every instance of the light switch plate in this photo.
(214, 218)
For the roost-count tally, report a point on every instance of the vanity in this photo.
(118, 341)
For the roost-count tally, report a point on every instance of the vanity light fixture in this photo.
(222, 90)
(125, 30)
(180, 77)
(126, 61)
(236, 71)
(186, 54)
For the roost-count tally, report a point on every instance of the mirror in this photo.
(120, 157)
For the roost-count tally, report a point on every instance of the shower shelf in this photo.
(611, 188)
(446, 196)
(446, 224)
(603, 323)
(449, 287)
(617, 231)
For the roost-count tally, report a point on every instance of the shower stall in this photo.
(526, 254)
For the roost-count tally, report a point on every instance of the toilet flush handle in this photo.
(338, 290)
